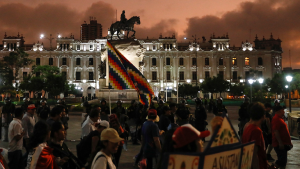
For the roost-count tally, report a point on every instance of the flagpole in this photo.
(109, 102)
(177, 89)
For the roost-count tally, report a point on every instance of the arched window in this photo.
(234, 61)
(206, 61)
(153, 61)
(221, 61)
(260, 61)
(247, 61)
(168, 61)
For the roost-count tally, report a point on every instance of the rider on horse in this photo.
(123, 19)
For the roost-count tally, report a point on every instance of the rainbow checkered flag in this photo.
(118, 76)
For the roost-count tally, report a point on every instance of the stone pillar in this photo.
(71, 71)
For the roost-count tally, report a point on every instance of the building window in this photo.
(221, 74)
(164, 46)
(194, 75)
(154, 76)
(153, 61)
(91, 75)
(181, 75)
(171, 46)
(91, 47)
(247, 75)
(38, 61)
(234, 62)
(168, 75)
(247, 61)
(260, 61)
(24, 75)
(37, 74)
(207, 74)
(168, 60)
(64, 74)
(91, 61)
(78, 75)
(194, 61)
(181, 61)
(221, 61)
(64, 61)
(77, 61)
(234, 75)
(102, 46)
(206, 61)
(78, 47)
(154, 47)
(50, 61)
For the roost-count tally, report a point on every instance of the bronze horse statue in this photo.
(128, 26)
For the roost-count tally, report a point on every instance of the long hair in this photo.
(40, 132)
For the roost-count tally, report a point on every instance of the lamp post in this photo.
(289, 79)
(195, 43)
(250, 82)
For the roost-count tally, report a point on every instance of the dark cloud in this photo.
(263, 17)
(164, 27)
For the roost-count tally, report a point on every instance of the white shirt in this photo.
(87, 127)
(28, 123)
(14, 129)
(102, 161)
(34, 156)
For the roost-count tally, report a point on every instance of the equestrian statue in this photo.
(124, 24)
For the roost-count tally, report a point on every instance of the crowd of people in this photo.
(158, 130)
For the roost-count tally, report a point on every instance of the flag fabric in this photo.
(118, 76)
(145, 99)
(136, 76)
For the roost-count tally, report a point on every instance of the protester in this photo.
(281, 139)
(7, 114)
(55, 115)
(15, 139)
(104, 110)
(28, 122)
(150, 138)
(267, 130)
(64, 157)
(110, 142)
(182, 116)
(252, 132)
(40, 155)
(200, 116)
(160, 108)
(243, 115)
(64, 117)
(89, 124)
(89, 144)
(119, 110)
(173, 108)
(43, 111)
(164, 120)
(219, 109)
(115, 124)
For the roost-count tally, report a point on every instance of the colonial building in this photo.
(164, 61)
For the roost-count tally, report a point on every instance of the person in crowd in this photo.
(160, 108)
(43, 111)
(28, 122)
(276, 103)
(220, 109)
(173, 108)
(243, 115)
(252, 132)
(211, 105)
(164, 120)
(26, 103)
(115, 124)
(65, 113)
(267, 130)
(150, 138)
(104, 110)
(89, 124)
(40, 154)
(110, 142)
(183, 105)
(119, 110)
(131, 111)
(281, 139)
(182, 116)
(64, 157)
(205, 103)
(15, 139)
(89, 144)
(200, 116)
(55, 115)
(7, 114)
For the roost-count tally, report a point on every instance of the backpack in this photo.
(90, 165)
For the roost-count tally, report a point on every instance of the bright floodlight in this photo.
(286, 86)
(260, 80)
(42, 36)
(184, 38)
(289, 78)
(59, 36)
(250, 81)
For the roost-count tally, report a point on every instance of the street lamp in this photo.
(289, 79)
(42, 36)
(250, 82)
(196, 50)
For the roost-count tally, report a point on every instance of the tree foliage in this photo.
(185, 90)
(215, 85)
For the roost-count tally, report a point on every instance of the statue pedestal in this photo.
(125, 95)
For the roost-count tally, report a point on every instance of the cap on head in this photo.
(152, 112)
(111, 135)
(186, 134)
(31, 106)
(104, 123)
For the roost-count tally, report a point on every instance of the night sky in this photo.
(182, 17)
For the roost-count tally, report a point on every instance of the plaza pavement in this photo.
(126, 161)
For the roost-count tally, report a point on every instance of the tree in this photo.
(276, 84)
(187, 90)
(208, 86)
(237, 89)
(221, 85)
